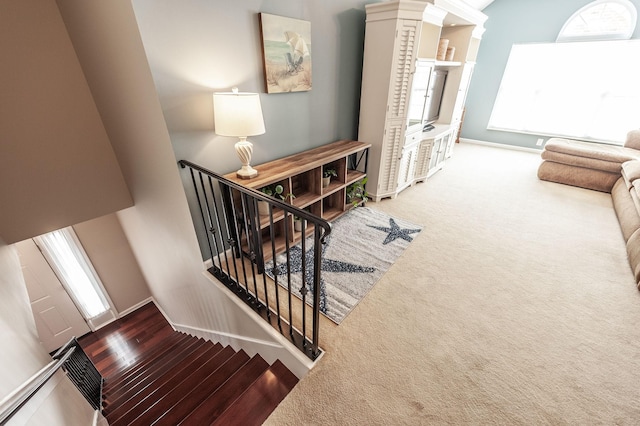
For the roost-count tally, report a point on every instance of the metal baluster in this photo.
(243, 202)
(212, 229)
(238, 230)
(303, 289)
(82, 373)
(240, 215)
(234, 234)
(220, 229)
(252, 240)
(275, 264)
(288, 257)
(317, 265)
(204, 222)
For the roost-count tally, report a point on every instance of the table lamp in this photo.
(239, 114)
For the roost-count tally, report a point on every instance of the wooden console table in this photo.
(301, 175)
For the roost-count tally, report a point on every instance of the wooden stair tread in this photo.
(148, 355)
(146, 358)
(148, 339)
(146, 383)
(130, 410)
(214, 368)
(120, 359)
(255, 405)
(153, 371)
(132, 332)
(214, 405)
(202, 390)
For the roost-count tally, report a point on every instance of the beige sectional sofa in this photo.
(604, 168)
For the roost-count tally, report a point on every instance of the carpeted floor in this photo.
(514, 305)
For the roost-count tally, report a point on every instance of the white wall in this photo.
(59, 402)
(158, 227)
(106, 245)
(57, 166)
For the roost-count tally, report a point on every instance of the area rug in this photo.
(362, 245)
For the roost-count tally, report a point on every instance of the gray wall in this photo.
(199, 47)
(511, 22)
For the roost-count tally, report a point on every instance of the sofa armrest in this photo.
(633, 139)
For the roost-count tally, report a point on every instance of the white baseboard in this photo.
(278, 349)
(99, 419)
(164, 314)
(281, 350)
(135, 307)
(500, 145)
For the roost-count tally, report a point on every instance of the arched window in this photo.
(601, 20)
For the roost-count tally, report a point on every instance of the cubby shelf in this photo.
(278, 214)
(301, 175)
(354, 176)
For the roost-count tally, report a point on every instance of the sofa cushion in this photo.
(635, 196)
(613, 153)
(625, 209)
(633, 253)
(598, 180)
(586, 162)
(630, 172)
(633, 139)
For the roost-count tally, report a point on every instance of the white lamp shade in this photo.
(237, 114)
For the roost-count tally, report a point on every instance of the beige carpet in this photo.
(514, 305)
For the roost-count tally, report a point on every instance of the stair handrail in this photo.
(10, 405)
(209, 212)
(326, 226)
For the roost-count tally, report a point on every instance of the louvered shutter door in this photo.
(422, 164)
(404, 59)
(390, 156)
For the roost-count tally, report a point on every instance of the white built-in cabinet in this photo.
(401, 42)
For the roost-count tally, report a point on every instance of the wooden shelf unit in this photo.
(301, 175)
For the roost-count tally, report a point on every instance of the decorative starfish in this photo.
(395, 232)
(328, 265)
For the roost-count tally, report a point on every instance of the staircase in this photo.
(183, 380)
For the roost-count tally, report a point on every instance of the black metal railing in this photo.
(80, 370)
(251, 254)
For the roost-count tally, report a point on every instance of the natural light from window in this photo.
(74, 271)
(586, 90)
(602, 19)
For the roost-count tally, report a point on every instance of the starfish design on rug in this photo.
(395, 232)
(328, 265)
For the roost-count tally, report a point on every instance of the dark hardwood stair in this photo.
(182, 380)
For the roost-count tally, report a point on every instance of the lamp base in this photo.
(244, 149)
(247, 172)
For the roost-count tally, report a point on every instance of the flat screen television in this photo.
(433, 100)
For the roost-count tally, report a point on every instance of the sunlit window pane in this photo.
(74, 272)
(583, 90)
(615, 19)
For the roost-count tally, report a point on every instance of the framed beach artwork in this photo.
(286, 48)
